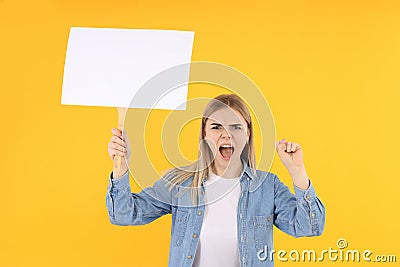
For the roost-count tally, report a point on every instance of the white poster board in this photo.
(106, 66)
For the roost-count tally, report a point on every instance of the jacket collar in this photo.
(247, 170)
(256, 177)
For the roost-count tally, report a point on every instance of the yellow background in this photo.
(329, 70)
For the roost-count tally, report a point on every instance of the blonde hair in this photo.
(201, 168)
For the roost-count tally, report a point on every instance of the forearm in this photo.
(127, 208)
(301, 214)
(117, 173)
(310, 212)
(299, 177)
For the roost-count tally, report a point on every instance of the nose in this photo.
(225, 134)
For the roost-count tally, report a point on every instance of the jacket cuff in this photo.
(306, 194)
(120, 182)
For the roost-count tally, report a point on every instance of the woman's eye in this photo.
(236, 127)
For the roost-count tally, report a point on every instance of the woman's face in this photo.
(226, 133)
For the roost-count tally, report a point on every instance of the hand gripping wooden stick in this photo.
(118, 160)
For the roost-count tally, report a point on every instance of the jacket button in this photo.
(199, 213)
(190, 256)
(194, 235)
(308, 197)
(248, 179)
(312, 215)
(268, 219)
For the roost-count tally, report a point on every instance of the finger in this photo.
(115, 152)
(288, 146)
(298, 147)
(279, 146)
(295, 147)
(117, 147)
(116, 132)
(292, 147)
(117, 135)
(279, 143)
(118, 140)
(115, 140)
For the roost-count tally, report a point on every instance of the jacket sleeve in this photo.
(127, 208)
(301, 214)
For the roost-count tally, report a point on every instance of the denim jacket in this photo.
(264, 201)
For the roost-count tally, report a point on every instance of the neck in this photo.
(232, 171)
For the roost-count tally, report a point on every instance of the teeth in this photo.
(226, 146)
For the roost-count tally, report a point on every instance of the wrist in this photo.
(119, 174)
(297, 170)
(121, 171)
(300, 177)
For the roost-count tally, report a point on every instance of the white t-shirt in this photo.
(218, 242)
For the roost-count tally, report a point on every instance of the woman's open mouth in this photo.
(226, 151)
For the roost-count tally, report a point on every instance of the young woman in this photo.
(227, 218)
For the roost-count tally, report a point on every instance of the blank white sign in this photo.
(107, 67)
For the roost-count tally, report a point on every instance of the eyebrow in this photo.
(218, 124)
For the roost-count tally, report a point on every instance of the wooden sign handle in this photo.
(118, 160)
